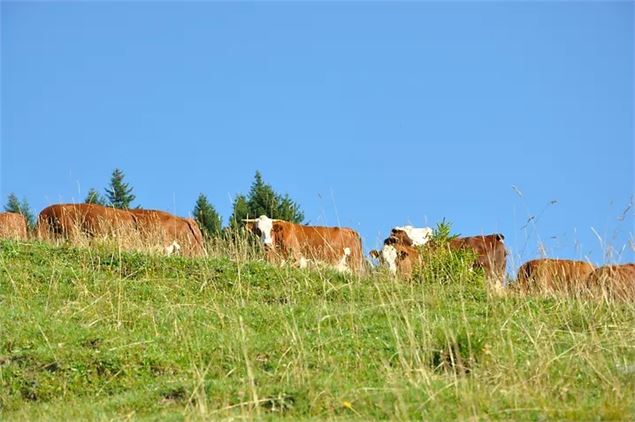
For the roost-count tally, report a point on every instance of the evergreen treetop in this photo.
(207, 218)
(94, 197)
(263, 200)
(119, 195)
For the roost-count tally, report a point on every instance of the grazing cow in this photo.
(553, 274)
(70, 220)
(339, 247)
(171, 232)
(616, 281)
(401, 257)
(12, 226)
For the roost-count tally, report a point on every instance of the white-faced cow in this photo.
(400, 244)
(489, 250)
(339, 247)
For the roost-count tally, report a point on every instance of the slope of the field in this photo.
(88, 334)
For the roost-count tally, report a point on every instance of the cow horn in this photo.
(249, 220)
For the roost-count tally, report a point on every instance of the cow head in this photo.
(398, 257)
(262, 227)
(393, 255)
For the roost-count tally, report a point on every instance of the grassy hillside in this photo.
(102, 335)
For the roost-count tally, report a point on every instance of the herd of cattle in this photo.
(303, 245)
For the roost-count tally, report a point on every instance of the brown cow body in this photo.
(168, 230)
(338, 247)
(489, 250)
(12, 226)
(68, 221)
(553, 274)
(616, 281)
(146, 227)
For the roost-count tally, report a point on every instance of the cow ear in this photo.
(374, 254)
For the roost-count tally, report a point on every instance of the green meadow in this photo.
(100, 334)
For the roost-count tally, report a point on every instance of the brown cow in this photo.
(171, 232)
(553, 274)
(616, 281)
(12, 226)
(489, 250)
(71, 220)
(339, 247)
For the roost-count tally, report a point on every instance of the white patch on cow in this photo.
(342, 266)
(418, 235)
(265, 225)
(173, 248)
(389, 255)
(303, 262)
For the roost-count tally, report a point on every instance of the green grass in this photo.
(98, 334)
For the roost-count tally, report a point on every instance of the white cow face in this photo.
(264, 225)
(389, 257)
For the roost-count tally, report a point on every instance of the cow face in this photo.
(398, 258)
(263, 228)
(389, 256)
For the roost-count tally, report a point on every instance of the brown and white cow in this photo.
(71, 220)
(339, 247)
(12, 226)
(548, 274)
(617, 281)
(400, 244)
(402, 257)
(171, 233)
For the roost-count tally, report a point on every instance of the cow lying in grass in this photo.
(283, 241)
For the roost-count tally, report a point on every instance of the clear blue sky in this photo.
(370, 115)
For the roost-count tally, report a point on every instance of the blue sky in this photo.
(369, 114)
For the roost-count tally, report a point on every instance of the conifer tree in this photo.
(94, 197)
(263, 200)
(14, 205)
(241, 211)
(207, 218)
(119, 195)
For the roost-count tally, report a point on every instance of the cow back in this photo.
(553, 274)
(617, 281)
(318, 243)
(161, 228)
(489, 251)
(69, 220)
(12, 226)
